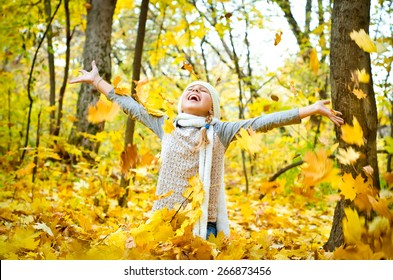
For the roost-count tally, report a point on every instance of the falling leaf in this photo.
(116, 81)
(363, 76)
(355, 79)
(359, 93)
(168, 126)
(274, 97)
(249, 141)
(128, 158)
(352, 226)
(380, 206)
(362, 39)
(103, 110)
(314, 62)
(162, 196)
(318, 168)
(352, 134)
(348, 156)
(188, 66)
(347, 186)
(368, 170)
(278, 35)
(120, 90)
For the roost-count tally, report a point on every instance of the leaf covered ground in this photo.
(72, 212)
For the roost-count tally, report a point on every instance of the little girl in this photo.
(198, 143)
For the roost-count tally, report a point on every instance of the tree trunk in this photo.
(346, 57)
(51, 64)
(66, 68)
(97, 47)
(136, 72)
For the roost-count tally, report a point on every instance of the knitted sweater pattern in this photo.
(180, 161)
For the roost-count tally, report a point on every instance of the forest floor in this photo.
(72, 213)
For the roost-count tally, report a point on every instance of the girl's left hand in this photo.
(333, 115)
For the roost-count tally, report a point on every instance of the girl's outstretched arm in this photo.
(319, 108)
(93, 78)
(127, 103)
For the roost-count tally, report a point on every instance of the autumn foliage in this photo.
(57, 204)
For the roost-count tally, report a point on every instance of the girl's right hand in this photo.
(91, 77)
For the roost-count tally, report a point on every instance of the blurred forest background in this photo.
(78, 177)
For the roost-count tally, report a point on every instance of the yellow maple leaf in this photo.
(347, 186)
(198, 194)
(318, 168)
(103, 110)
(363, 40)
(249, 140)
(168, 126)
(359, 93)
(352, 134)
(314, 62)
(348, 156)
(24, 239)
(363, 76)
(352, 226)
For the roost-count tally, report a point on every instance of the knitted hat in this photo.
(213, 93)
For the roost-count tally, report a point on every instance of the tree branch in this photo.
(30, 81)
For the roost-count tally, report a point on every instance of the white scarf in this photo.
(205, 166)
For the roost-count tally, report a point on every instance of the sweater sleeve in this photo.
(227, 130)
(138, 112)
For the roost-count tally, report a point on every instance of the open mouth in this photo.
(194, 97)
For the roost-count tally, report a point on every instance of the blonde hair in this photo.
(203, 140)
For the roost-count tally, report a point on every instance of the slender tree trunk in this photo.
(51, 64)
(136, 72)
(66, 68)
(346, 57)
(97, 47)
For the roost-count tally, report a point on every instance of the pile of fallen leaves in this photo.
(72, 212)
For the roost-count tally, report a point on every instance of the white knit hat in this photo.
(213, 93)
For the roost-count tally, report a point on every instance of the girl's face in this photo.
(197, 101)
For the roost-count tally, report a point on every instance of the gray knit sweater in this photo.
(179, 158)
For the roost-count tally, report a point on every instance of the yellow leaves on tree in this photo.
(363, 40)
(352, 134)
(314, 62)
(103, 110)
(318, 168)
